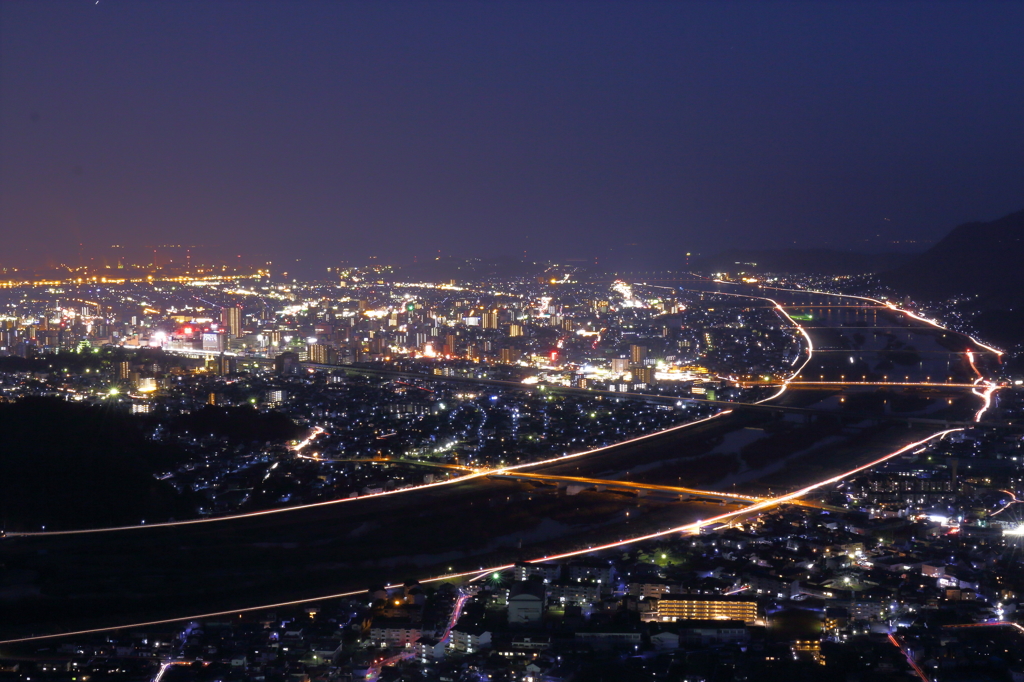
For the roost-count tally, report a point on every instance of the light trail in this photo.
(302, 445)
(163, 669)
(631, 484)
(939, 326)
(686, 528)
(476, 474)
(908, 313)
(373, 672)
(797, 326)
(875, 301)
(986, 394)
(921, 384)
(906, 654)
(345, 500)
(757, 507)
(1013, 501)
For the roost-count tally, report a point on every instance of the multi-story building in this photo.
(579, 594)
(548, 572)
(395, 633)
(322, 354)
(673, 607)
(231, 320)
(602, 572)
(470, 639)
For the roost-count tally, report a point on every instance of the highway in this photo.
(265, 538)
(687, 528)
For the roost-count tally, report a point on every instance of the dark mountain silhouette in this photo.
(69, 465)
(975, 259)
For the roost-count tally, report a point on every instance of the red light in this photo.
(554, 355)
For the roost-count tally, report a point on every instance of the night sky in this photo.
(334, 131)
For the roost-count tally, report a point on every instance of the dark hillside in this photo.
(68, 465)
(975, 259)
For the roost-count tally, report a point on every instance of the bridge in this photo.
(574, 485)
(577, 484)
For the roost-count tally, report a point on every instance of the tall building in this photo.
(489, 320)
(287, 363)
(231, 320)
(637, 354)
(123, 370)
(643, 375)
(321, 354)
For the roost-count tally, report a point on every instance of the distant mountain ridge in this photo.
(806, 261)
(977, 259)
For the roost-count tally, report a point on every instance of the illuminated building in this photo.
(213, 341)
(489, 320)
(515, 330)
(322, 354)
(673, 607)
(231, 320)
(643, 375)
(637, 354)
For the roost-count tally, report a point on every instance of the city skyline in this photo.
(511, 341)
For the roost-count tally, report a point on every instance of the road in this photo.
(294, 554)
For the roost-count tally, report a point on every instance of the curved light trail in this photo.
(799, 327)
(694, 527)
(910, 660)
(986, 395)
(476, 473)
(886, 304)
(1013, 501)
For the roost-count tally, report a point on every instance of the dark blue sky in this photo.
(332, 130)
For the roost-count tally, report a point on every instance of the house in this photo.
(582, 594)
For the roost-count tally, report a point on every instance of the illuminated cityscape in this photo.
(511, 343)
